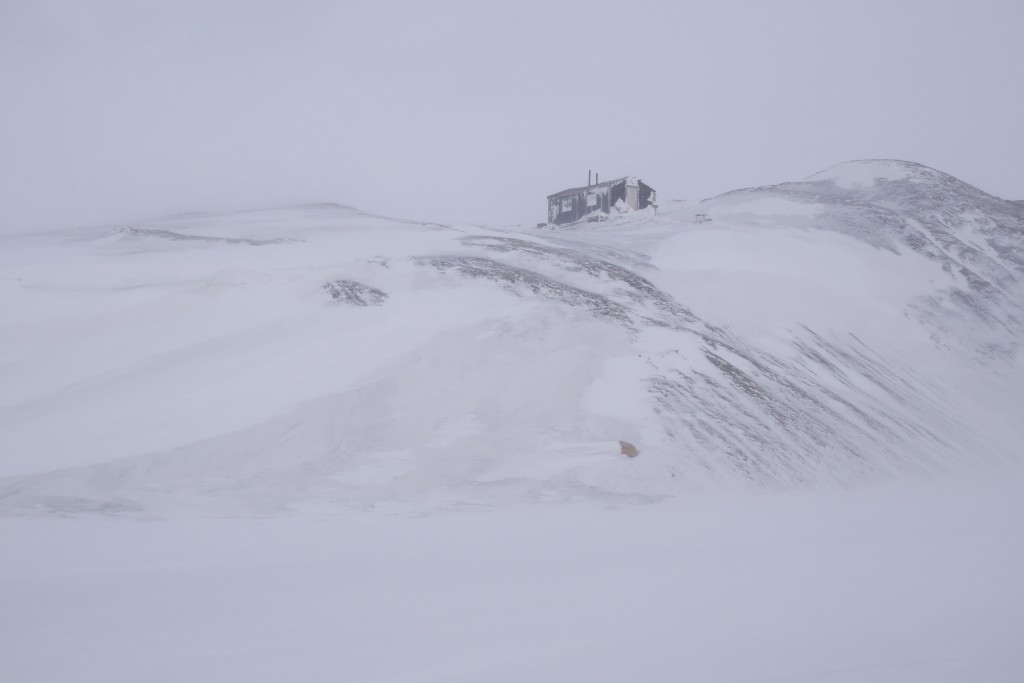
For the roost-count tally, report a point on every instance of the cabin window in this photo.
(567, 204)
(591, 200)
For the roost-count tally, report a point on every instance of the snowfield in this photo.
(315, 444)
(883, 585)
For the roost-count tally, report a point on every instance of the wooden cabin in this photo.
(577, 203)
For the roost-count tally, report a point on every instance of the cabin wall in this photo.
(603, 199)
(567, 208)
(618, 191)
(647, 195)
(606, 197)
(633, 197)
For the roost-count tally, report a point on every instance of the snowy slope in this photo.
(859, 325)
(313, 444)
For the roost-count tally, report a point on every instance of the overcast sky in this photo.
(114, 111)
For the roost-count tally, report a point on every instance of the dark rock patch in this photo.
(355, 293)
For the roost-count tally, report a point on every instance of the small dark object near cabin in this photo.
(628, 449)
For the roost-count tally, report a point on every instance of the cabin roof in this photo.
(608, 183)
(575, 190)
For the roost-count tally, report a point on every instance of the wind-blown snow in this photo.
(858, 174)
(310, 365)
(793, 340)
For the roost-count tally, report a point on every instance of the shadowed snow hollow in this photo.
(861, 324)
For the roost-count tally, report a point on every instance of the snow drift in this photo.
(862, 324)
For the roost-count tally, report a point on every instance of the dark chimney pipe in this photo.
(588, 178)
(597, 178)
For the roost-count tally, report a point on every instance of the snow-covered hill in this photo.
(864, 323)
(310, 443)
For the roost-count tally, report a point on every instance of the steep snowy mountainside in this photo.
(898, 206)
(862, 324)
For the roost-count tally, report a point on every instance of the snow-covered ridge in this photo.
(831, 330)
(857, 174)
(975, 237)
